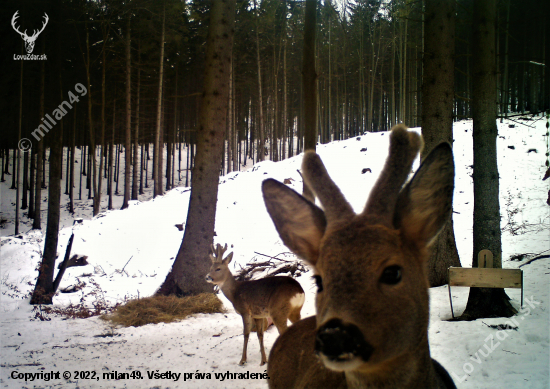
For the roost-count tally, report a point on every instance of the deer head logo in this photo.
(29, 40)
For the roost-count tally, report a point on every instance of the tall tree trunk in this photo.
(261, 130)
(111, 151)
(230, 150)
(486, 302)
(309, 81)
(143, 167)
(91, 152)
(437, 114)
(43, 290)
(97, 198)
(191, 264)
(71, 174)
(135, 164)
(505, 89)
(17, 166)
(128, 137)
(393, 115)
(158, 158)
(25, 192)
(4, 166)
(32, 158)
(286, 132)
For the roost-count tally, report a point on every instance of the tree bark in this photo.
(157, 160)
(17, 166)
(437, 114)
(43, 290)
(309, 80)
(97, 197)
(92, 173)
(191, 264)
(261, 132)
(71, 176)
(136, 165)
(486, 302)
(128, 137)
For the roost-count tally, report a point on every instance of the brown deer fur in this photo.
(371, 327)
(280, 298)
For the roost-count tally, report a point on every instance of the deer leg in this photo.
(280, 322)
(260, 331)
(247, 324)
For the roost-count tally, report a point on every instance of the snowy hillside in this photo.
(130, 252)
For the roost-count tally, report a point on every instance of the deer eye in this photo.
(318, 282)
(391, 275)
(218, 269)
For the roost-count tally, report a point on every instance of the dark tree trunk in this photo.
(158, 190)
(191, 265)
(25, 193)
(437, 114)
(136, 137)
(71, 176)
(111, 151)
(128, 137)
(483, 302)
(260, 155)
(309, 80)
(32, 158)
(92, 167)
(14, 168)
(43, 290)
(17, 166)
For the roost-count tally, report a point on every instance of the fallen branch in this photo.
(275, 257)
(534, 259)
(272, 267)
(64, 264)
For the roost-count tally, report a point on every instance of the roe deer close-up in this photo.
(280, 298)
(372, 303)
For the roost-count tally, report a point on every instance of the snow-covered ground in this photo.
(130, 252)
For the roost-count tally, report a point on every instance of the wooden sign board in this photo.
(485, 277)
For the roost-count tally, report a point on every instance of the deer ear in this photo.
(227, 260)
(300, 223)
(425, 203)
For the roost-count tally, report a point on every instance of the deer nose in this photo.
(208, 278)
(341, 342)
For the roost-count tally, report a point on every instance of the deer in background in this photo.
(279, 298)
(371, 327)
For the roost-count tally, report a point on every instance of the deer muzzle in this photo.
(341, 346)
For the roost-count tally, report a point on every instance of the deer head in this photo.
(219, 271)
(29, 40)
(370, 268)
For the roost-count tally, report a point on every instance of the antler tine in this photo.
(43, 25)
(404, 147)
(212, 253)
(15, 16)
(220, 251)
(317, 178)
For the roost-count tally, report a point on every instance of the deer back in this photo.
(370, 268)
(266, 295)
